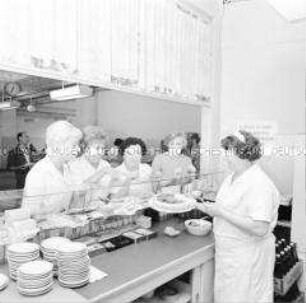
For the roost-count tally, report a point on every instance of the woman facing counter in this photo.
(47, 188)
(173, 167)
(90, 168)
(245, 215)
(136, 175)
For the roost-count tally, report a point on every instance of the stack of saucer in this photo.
(20, 253)
(73, 263)
(49, 248)
(35, 278)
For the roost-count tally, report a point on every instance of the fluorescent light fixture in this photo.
(6, 105)
(71, 92)
(292, 10)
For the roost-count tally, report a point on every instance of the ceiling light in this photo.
(71, 92)
(31, 108)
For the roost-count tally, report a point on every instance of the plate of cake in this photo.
(172, 203)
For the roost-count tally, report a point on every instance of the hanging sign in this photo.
(264, 130)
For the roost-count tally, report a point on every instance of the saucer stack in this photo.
(49, 249)
(73, 265)
(35, 278)
(20, 253)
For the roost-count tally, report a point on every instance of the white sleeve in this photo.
(262, 203)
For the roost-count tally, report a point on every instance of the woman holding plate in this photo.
(245, 214)
(48, 189)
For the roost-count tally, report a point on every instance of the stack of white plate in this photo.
(49, 248)
(35, 278)
(73, 264)
(20, 253)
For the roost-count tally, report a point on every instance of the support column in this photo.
(210, 115)
(298, 232)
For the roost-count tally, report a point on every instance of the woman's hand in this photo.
(212, 209)
(255, 228)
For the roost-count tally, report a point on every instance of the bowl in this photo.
(198, 227)
(171, 231)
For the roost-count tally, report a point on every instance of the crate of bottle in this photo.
(300, 298)
(281, 286)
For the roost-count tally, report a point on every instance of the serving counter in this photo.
(135, 270)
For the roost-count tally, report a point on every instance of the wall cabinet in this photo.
(160, 47)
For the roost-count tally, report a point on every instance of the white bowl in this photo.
(198, 227)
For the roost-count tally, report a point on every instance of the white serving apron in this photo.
(244, 263)
(244, 270)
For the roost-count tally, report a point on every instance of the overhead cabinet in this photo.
(159, 47)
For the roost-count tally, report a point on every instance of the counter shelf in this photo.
(135, 270)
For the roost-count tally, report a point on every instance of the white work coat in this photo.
(46, 189)
(244, 263)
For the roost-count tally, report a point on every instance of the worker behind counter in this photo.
(91, 168)
(173, 167)
(132, 177)
(21, 159)
(47, 187)
(245, 214)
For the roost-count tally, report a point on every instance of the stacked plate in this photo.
(73, 264)
(35, 278)
(20, 253)
(49, 248)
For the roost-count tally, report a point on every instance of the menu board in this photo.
(264, 130)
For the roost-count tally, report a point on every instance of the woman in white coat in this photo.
(245, 214)
(47, 188)
(90, 168)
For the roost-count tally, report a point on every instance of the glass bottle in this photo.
(291, 261)
(283, 264)
(278, 267)
(283, 244)
(294, 252)
(277, 248)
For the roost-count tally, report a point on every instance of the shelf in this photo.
(183, 295)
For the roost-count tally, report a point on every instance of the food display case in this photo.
(130, 252)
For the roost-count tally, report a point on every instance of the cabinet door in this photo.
(124, 42)
(53, 35)
(94, 60)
